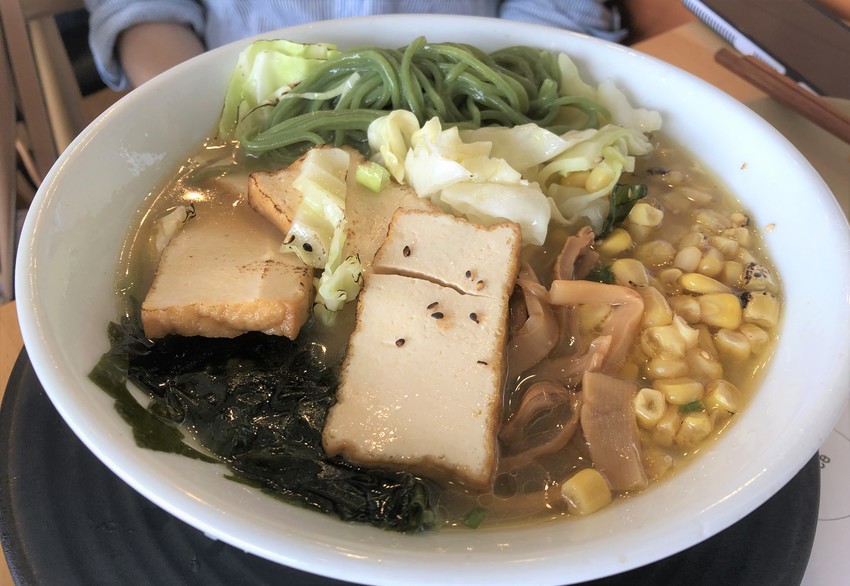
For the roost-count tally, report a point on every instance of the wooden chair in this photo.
(40, 108)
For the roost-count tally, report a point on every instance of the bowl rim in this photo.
(338, 558)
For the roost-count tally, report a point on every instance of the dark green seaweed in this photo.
(259, 403)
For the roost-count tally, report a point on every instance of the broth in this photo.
(698, 215)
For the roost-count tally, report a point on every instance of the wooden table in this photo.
(690, 47)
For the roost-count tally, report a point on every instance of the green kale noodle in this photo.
(459, 84)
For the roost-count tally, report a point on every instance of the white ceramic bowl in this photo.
(66, 272)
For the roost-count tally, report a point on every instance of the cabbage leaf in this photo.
(265, 71)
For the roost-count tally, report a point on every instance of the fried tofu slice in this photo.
(421, 384)
(222, 275)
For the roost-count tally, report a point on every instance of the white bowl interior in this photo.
(65, 291)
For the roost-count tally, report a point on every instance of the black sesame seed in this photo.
(289, 239)
(474, 317)
(437, 315)
(406, 251)
(306, 246)
(432, 306)
(399, 342)
(468, 274)
(482, 362)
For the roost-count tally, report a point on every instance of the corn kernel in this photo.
(680, 391)
(670, 341)
(739, 219)
(722, 310)
(656, 310)
(649, 407)
(685, 306)
(702, 366)
(694, 429)
(696, 239)
(645, 214)
(702, 284)
(726, 246)
(599, 178)
(575, 179)
(697, 196)
(711, 263)
(655, 253)
(666, 429)
(666, 368)
(732, 344)
(586, 492)
(731, 273)
(721, 394)
(669, 280)
(688, 259)
(741, 235)
(713, 221)
(639, 233)
(629, 272)
(618, 241)
(761, 308)
(758, 337)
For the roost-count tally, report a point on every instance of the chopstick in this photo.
(786, 91)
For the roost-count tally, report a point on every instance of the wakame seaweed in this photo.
(259, 403)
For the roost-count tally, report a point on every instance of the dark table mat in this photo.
(67, 519)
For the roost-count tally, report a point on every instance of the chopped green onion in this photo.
(601, 273)
(691, 407)
(372, 176)
(474, 517)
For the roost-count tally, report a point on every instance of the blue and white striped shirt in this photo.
(218, 22)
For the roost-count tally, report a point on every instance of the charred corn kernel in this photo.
(656, 310)
(702, 284)
(688, 259)
(655, 253)
(649, 407)
(732, 344)
(586, 492)
(666, 429)
(685, 306)
(722, 310)
(702, 366)
(711, 263)
(618, 241)
(575, 179)
(668, 279)
(645, 214)
(599, 177)
(758, 337)
(666, 368)
(696, 239)
(739, 219)
(759, 278)
(726, 246)
(680, 391)
(670, 341)
(694, 429)
(721, 394)
(629, 272)
(731, 273)
(761, 308)
(713, 221)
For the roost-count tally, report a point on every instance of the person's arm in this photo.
(647, 18)
(146, 50)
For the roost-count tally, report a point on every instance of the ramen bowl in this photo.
(66, 275)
